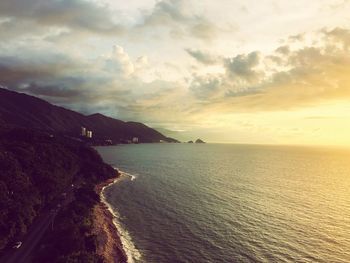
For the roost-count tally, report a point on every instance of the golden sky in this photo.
(275, 72)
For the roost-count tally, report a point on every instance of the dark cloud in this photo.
(72, 14)
(64, 20)
(55, 78)
(52, 91)
(68, 83)
(16, 72)
(13, 28)
(13, 75)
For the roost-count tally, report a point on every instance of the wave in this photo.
(132, 253)
(123, 174)
(132, 176)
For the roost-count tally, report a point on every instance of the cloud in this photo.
(297, 38)
(178, 16)
(61, 78)
(203, 29)
(206, 87)
(71, 14)
(52, 91)
(243, 66)
(340, 4)
(120, 62)
(240, 79)
(12, 28)
(65, 24)
(108, 84)
(202, 57)
(14, 71)
(284, 50)
(167, 12)
(290, 78)
(338, 36)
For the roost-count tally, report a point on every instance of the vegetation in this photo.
(71, 239)
(35, 169)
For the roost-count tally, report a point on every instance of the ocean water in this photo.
(231, 203)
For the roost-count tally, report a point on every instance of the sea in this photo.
(231, 203)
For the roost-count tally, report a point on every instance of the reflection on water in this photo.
(234, 203)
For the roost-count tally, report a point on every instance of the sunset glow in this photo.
(272, 72)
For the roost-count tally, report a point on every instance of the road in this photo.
(34, 235)
(30, 241)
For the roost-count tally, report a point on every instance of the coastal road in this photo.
(31, 240)
(34, 235)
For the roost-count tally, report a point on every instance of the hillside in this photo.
(32, 180)
(21, 110)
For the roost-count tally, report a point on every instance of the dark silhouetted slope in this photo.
(18, 109)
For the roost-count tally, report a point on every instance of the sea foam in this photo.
(132, 176)
(132, 253)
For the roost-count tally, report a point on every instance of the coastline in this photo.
(109, 243)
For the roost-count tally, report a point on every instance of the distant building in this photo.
(89, 134)
(83, 131)
(135, 140)
(109, 141)
(86, 133)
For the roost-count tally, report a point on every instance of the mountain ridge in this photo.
(23, 110)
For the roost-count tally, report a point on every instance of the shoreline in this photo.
(109, 242)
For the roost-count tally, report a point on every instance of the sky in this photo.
(228, 71)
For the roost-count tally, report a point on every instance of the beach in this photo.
(109, 244)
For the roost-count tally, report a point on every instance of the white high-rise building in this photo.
(89, 134)
(83, 131)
